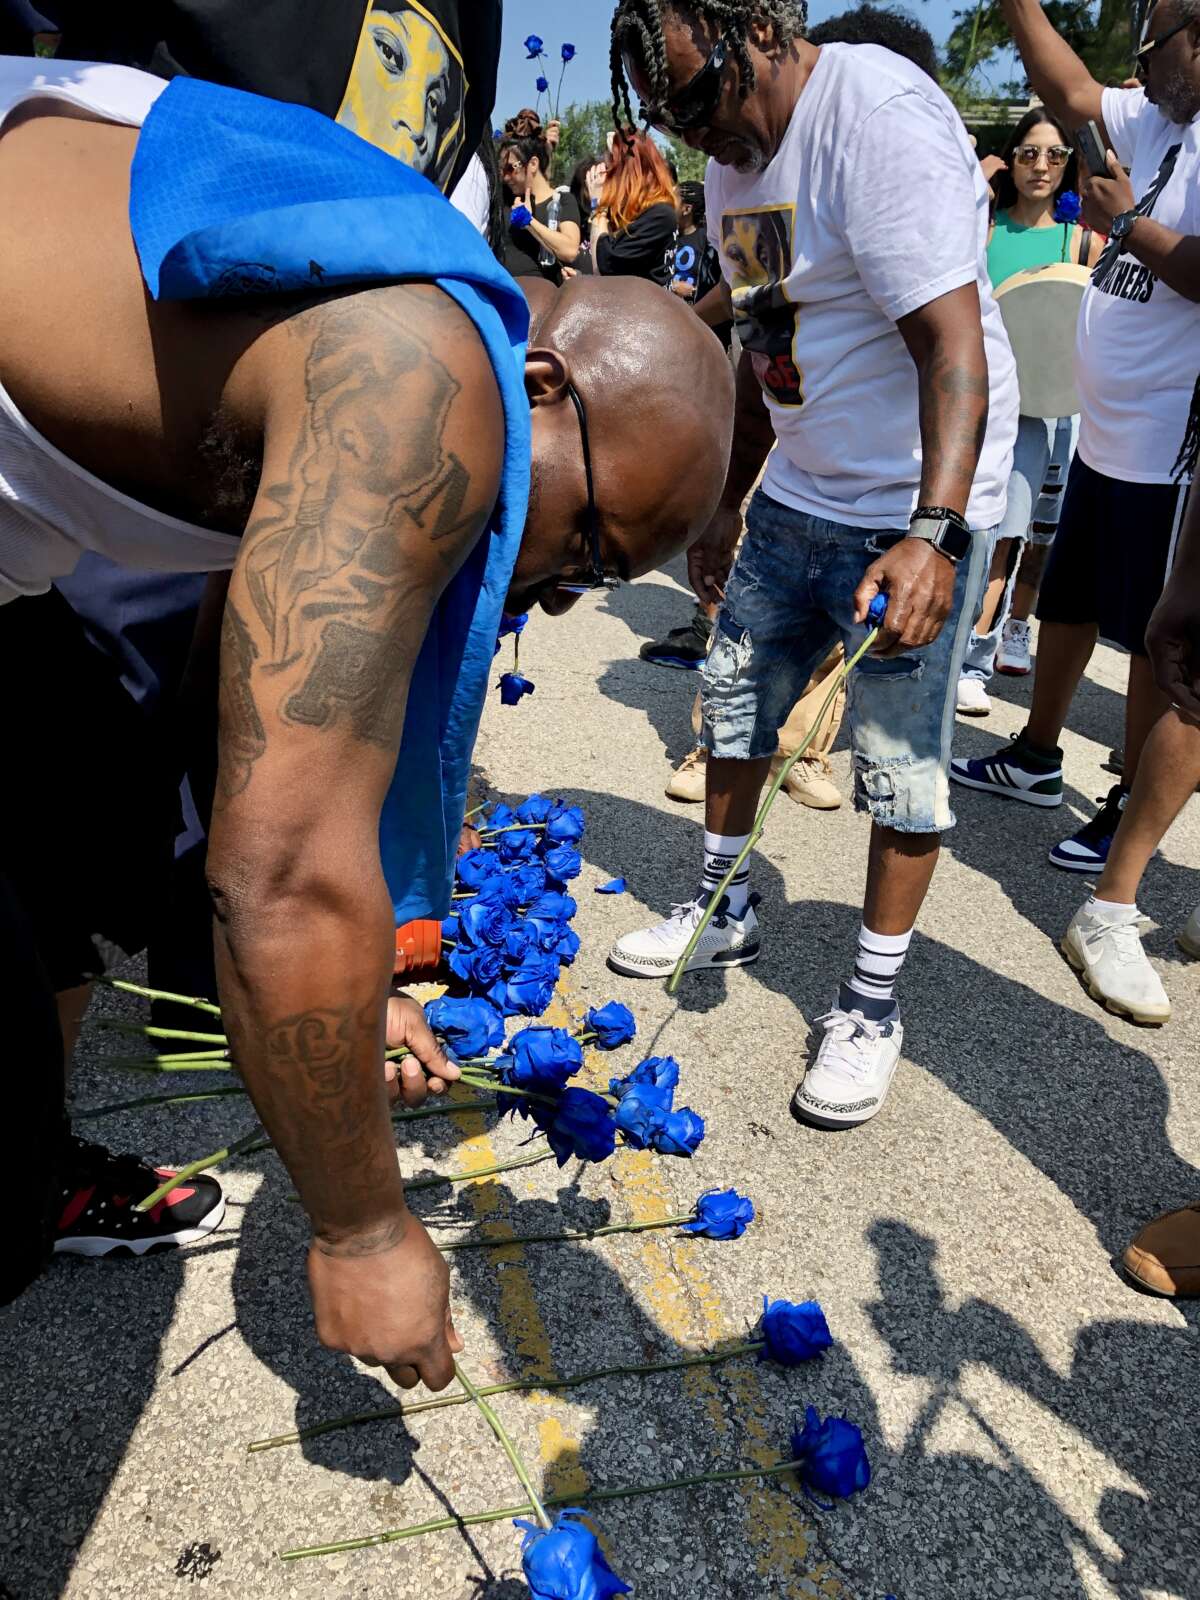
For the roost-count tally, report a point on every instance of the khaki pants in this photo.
(804, 712)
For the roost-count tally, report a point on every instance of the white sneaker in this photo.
(1014, 656)
(850, 1078)
(1115, 969)
(1188, 937)
(654, 952)
(973, 698)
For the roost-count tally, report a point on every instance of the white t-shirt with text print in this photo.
(873, 206)
(1137, 352)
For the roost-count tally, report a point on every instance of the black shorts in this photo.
(1113, 554)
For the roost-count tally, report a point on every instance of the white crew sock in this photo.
(721, 850)
(1109, 910)
(877, 964)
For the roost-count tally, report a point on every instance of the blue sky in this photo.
(585, 24)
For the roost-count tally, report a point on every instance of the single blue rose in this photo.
(831, 1456)
(476, 867)
(565, 1562)
(469, 1027)
(529, 881)
(641, 1118)
(655, 1079)
(500, 890)
(565, 824)
(721, 1214)
(613, 886)
(534, 46)
(450, 928)
(581, 1125)
(521, 939)
(567, 947)
(568, 52)
(483, 921)
(612, 1024)
(520, 217)
(563, 863)
(680, 1134)
(513, 687)
(542, 85)
(536, 809)
(541, 1060)
(522, 845)
(500, 816)
(794, 1333)
(1068, 207)
(530, 988)
(478, 968)
(547, 934)
(553, 907)
(513, 625)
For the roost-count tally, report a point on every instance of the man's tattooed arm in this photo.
(381, 465)
(945, 340)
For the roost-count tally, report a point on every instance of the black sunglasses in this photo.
(599, 578)
(693, 105)
(1141, 57)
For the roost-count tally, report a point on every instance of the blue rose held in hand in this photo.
(542, 85)
(794, 1333)
(613, 1025)
(1068, 207)
(514, 625)
(565, 1562)
(469, 1027)
(568, 52)
(721, 1214)
(534, 46)
(513, 687)
(832, 1456)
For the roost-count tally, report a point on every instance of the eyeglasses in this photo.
(1141, 56)
(1057, 155)
(599, 578)
(693, 105)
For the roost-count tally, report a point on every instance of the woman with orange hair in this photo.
(636, 215)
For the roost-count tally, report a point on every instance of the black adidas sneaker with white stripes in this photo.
(1017, 772)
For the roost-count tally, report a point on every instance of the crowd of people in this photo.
(269, 488)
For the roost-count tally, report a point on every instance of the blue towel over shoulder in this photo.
(233, 194)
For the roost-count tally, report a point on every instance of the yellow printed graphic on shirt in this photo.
(757, 246)
(407, 89)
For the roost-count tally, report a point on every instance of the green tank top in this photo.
(1013, 248)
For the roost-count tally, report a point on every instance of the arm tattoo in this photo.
(954, 411)
(325, 566)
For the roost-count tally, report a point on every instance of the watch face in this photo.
(955, 541)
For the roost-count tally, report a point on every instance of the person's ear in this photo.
(547, 377)
(532, 167)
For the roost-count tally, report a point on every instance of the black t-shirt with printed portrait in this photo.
(415, 77)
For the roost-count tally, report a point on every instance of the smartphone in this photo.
(1092, 150)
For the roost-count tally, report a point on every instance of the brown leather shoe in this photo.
(1165, 1256)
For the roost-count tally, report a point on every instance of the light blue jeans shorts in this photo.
(789, 598)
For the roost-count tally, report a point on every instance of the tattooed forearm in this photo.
(243, 736)
(953, 399)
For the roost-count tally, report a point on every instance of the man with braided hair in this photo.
(875, 359)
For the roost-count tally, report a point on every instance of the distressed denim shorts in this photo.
(790, 596)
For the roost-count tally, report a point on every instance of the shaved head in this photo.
(659, 394)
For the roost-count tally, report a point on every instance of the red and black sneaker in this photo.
(100, 1192)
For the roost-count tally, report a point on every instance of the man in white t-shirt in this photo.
(1136, 360)
(875, 356)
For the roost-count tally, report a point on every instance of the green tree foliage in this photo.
(585, 131)
(1100, 31)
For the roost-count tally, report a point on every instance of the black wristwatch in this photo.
(1121, 224)
(944, 529)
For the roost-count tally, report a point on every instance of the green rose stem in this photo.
(474, 1519)
(239, 1147)
(118, 1025)
(152, 1065)
(764, 812)
(194, 1001)
(506, 1444)
(518, 1386)
(568, 1238)
(147, 1100)
(513, 827)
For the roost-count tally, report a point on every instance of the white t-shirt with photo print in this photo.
(1137, 352)
(873, 206)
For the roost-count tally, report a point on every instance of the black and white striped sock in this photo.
(721, 850)
(877, 963)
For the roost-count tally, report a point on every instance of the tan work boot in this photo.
(687, 781)
(1188, 937)
(1165, 1256)
(810, 782)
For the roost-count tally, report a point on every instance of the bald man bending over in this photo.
(342, 453)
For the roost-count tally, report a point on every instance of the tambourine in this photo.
(1040, 308)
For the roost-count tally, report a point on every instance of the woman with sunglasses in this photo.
(545, 229)
(1036, 225)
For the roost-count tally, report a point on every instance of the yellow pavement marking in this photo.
(681, 1297)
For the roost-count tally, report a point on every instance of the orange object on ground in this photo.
(419, 949)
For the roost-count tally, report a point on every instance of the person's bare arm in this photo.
(711, 557)
(716, 308)
(562, 242)
(1059, 77)
(945, 341)
(382, 460)
(1173, 637)
(1173, 257)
